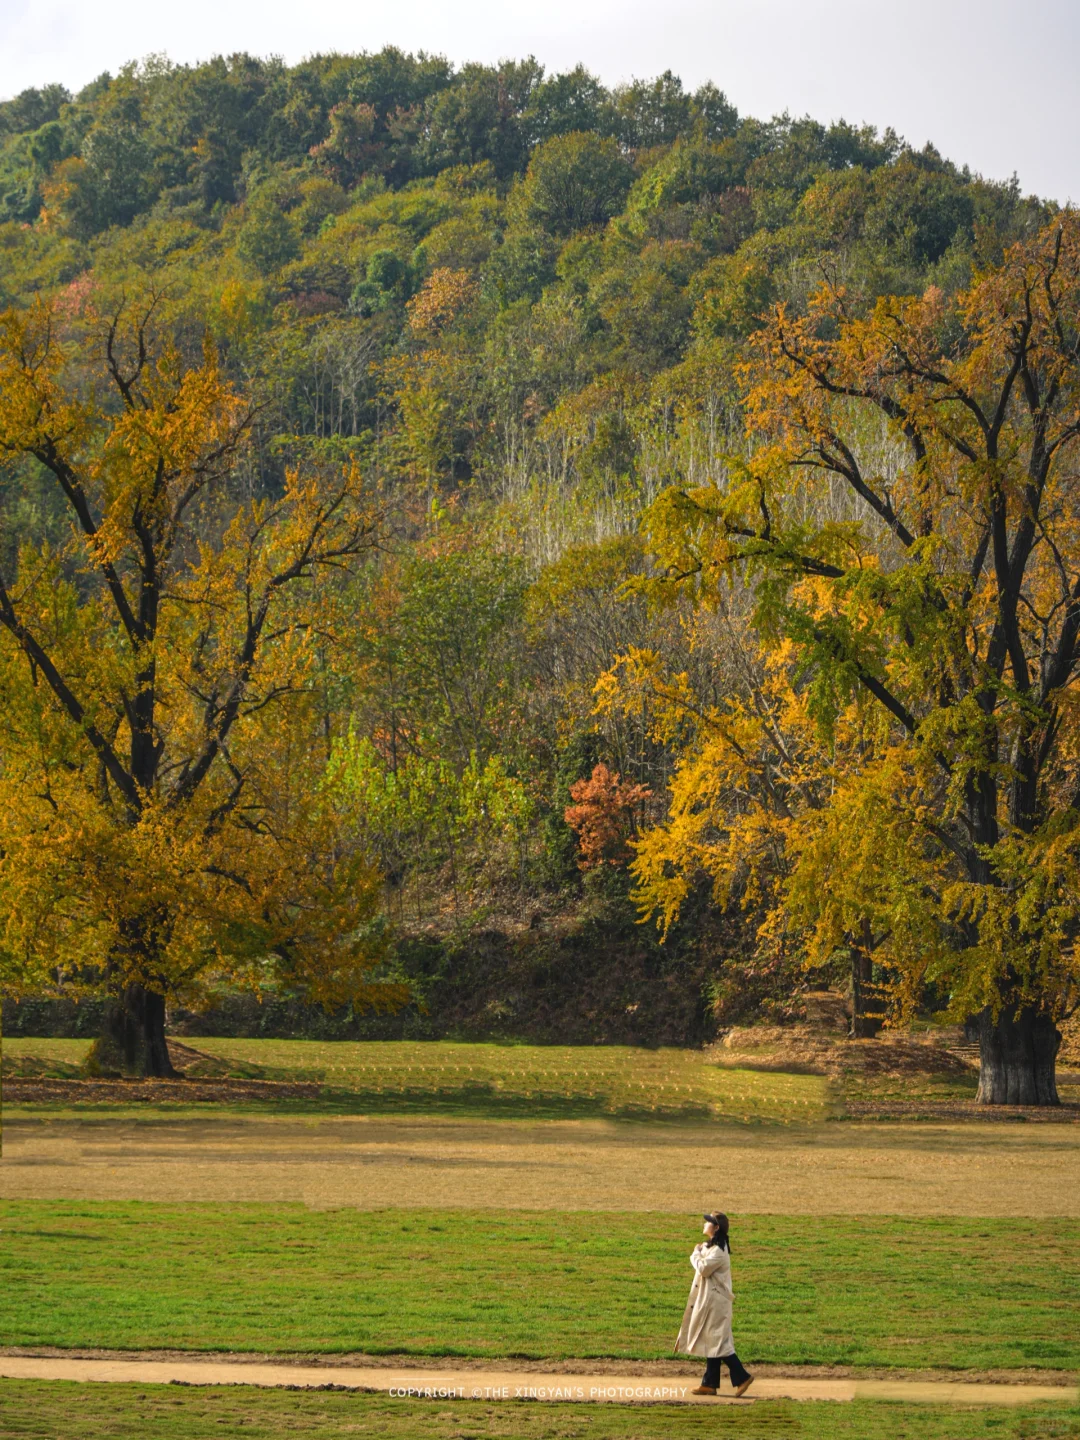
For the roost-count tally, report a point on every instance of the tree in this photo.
(349, 150)
(605, 816)
(574, 181)
(161, 811)
(753, 782)
(910, 520)
(268, 238)
(690, 174)
(653, 112)
(32, 108)
(422, 813)
(574, 100)
(437, 650)
(112, 179)
(478, 117)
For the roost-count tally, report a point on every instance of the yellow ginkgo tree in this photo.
(160, 812)
(906, 515)
(751, 804)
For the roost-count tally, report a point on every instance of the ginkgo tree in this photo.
(753, 779)
(161, 812)
(907, 516)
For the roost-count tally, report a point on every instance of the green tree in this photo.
(478, 117)
(424, 813)
(268, 238)
(573, 101)
(439, 654)
(574, 181)
(653, 112)
(113, 178)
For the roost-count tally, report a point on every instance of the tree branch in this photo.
(38, 657)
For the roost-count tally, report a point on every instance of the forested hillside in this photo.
(408, 352)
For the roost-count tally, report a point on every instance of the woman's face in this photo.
(708, 1229)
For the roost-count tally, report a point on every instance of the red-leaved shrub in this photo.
(605, 816)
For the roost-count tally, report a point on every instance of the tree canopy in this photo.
(907, 523)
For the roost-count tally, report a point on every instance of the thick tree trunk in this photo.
(135, 1033)
(1017, 1056)
(865, 1022)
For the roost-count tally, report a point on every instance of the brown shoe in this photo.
(703, 1390)
(744, 1386)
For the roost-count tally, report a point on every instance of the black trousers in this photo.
(736, 1369)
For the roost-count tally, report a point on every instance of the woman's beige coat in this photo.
(706, 1322)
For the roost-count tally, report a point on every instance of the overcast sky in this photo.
(994, 83)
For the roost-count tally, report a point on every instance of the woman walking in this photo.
(706, 1325)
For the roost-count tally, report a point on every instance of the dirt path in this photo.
(463, 1384)
(927, 1169)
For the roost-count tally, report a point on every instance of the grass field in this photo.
(512, 1081)
(857, 1290)
(483, 1080)
(32, 1057)
(874, 1292)
(33, 1410)
(923, 1089)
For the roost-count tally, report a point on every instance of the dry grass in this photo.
(432, 1161)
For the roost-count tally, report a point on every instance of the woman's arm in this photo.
(709, 1261)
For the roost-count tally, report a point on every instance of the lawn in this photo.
(37, 1057)
(55, 1410)
(926, 1090)
(878, 1291)
(482, 1080)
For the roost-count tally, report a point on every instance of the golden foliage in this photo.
(160, 679)
(441, 298)
(908, 519)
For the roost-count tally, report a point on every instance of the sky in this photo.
(995, 84)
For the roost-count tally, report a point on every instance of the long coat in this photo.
(706, 1323)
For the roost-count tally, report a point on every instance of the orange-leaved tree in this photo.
(161, 814)
(605, 815)
(909, 520)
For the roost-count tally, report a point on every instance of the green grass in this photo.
(876, 1291)
(54, 1059)
(908, 1089)
(55, 1410)
(915, 1093)
(484, 1080)
(511, 1081)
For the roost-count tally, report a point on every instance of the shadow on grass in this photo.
(476, 1102)
(480, 1101)
(33, 1067)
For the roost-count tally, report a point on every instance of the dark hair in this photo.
(720, 1220)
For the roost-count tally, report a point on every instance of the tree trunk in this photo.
(865, 1023)
(1017, 1055)
(135, 1034)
